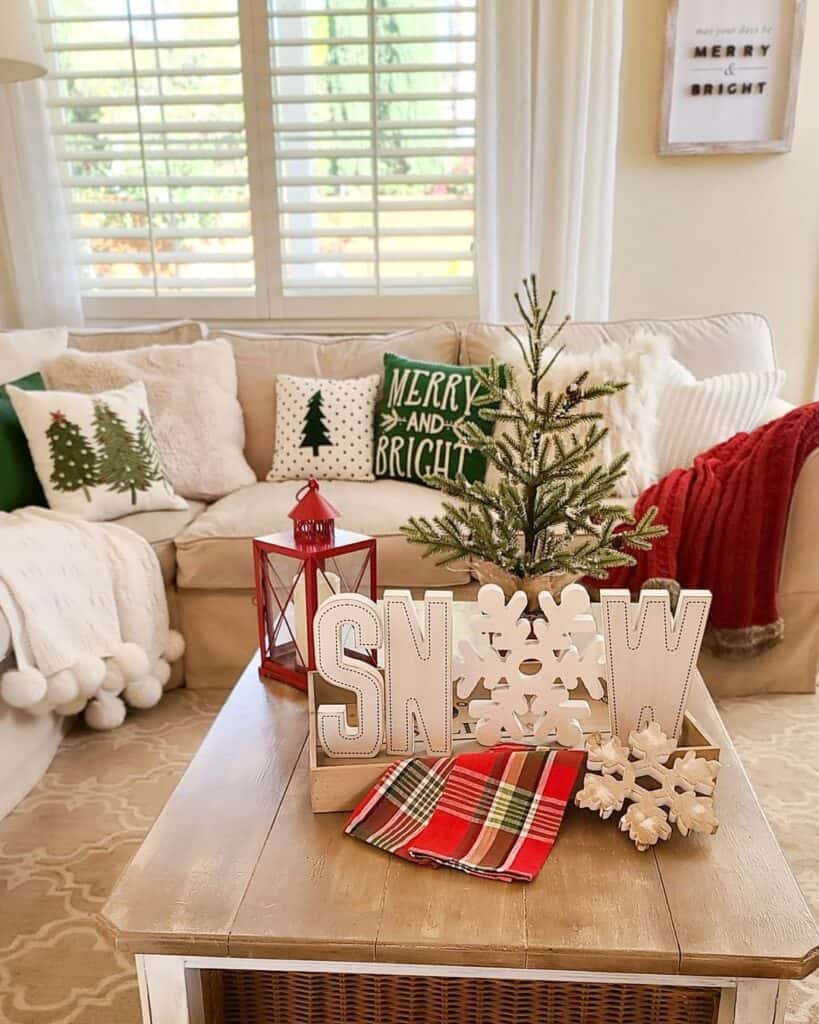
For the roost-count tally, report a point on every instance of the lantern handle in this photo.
(311, 485)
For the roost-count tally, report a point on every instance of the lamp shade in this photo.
(21, 52)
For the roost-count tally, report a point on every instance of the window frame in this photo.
(270, 305)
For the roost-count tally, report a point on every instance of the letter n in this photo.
(418, 672)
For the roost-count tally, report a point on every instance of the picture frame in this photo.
(731, 76)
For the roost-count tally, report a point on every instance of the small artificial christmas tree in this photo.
(551, 511)
(123, 466)
(74, 461)
(314, 432)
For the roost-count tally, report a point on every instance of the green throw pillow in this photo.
(19, 485)
(420, 405)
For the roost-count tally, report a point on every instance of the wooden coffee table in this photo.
(242, 905)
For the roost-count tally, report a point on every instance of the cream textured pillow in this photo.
(697, 414)
(630, 414)
(324, 428)
(95, 455)
(192, 396)
(26, 352)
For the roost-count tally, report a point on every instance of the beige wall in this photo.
(707, 234)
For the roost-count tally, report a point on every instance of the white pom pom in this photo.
(114, 681)
(63, 687)
(90, 672)
(162, 672)
(144, 693)
(41, 708)
(71, 707)
(105, 711)
(132, 661)
(23, 687)
(174, 646)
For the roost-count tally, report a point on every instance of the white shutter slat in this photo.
(137, 189)
(151, 100)
(96, 156)
(87, 19)
(139, 44)
(150, 181)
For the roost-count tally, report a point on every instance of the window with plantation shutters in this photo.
(301, 159)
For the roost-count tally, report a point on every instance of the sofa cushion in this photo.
(260, 357)
(706, 345)
(112, 339)
(160, 529)
(215, 552)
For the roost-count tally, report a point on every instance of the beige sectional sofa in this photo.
(205, 552)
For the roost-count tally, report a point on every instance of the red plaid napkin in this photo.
(494, 814)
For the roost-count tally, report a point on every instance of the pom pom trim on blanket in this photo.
(94, 684)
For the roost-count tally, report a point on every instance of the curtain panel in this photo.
(39, 285)
(548, 92)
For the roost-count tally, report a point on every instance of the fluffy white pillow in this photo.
(697, 414)
(630, 414)
(196, 414)
(324, 428)
(95, 455)
(25, 352)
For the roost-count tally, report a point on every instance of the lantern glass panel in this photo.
(284, 587)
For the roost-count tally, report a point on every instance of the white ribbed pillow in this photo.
(697, 414)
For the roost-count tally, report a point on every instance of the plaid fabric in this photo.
(495, 814)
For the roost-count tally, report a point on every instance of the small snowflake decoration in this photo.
(682, 798)
(529, 666)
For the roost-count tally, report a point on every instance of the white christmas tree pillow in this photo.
(95, 455)
(324, 428)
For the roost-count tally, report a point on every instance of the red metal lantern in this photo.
(295, 572)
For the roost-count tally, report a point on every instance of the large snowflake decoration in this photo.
(524, 669)
(678, 794)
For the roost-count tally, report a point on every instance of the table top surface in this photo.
(238, 865)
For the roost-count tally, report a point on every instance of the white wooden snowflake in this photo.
(528, 667)
(680, 793)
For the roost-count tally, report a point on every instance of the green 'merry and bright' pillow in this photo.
(421, 404)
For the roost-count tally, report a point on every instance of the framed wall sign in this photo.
(731, 76)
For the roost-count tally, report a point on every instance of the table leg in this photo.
(169, 994)
(759, 1001)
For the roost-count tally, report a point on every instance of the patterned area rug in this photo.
(778, 741)
(64, 847)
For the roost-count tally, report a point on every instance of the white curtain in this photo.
(39, 284)
(547, 121)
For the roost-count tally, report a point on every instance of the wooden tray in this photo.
(338, 784)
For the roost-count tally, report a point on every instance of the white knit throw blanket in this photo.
(85, 603)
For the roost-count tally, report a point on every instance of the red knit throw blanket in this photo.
(726, 519)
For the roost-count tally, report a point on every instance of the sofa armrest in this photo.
(800, 555)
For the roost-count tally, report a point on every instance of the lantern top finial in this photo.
(310, 505)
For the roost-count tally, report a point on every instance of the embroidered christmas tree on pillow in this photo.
(95, 455)
(314, 432)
